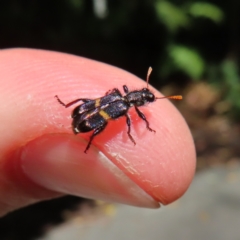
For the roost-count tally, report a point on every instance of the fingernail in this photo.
(58, 162)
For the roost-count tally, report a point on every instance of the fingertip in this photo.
(58, 162)
(161, 164)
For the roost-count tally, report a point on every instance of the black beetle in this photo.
(94, 114)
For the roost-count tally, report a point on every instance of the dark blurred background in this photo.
(183, 41)
(193, 47)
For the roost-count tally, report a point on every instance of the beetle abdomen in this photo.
(87, 125)
(116, 109)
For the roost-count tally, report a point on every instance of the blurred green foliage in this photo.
(206, 10)
(175, 17)
(184, 59)
(172, 16)
(180, 17)
(231, 78)
(181, 39)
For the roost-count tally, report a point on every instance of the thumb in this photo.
(42, 159)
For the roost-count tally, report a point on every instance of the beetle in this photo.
(94, 114)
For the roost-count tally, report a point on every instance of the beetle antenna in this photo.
(148, 75)
(175, 97)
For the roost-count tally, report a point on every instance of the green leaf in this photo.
(231, 77)
(206, 10)
(171, 16)
(187, 60)
(230, 73)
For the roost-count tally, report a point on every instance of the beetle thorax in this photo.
(140, 98)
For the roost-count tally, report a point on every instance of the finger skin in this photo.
(163, 164)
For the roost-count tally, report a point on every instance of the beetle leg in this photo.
(109, 91)
(129, 129)
(73, 102)
(112, 91)
(125, 89)
(95, 132)
(142, 116)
